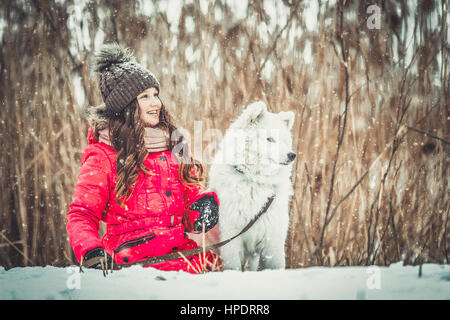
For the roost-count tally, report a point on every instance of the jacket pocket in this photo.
(135, 249)
(134, 242)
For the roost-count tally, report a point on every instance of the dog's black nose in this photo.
(291, 156)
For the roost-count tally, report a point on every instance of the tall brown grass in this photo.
(367, 189)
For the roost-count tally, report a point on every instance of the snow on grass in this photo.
(393, 282)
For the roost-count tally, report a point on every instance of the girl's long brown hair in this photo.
(127, 138)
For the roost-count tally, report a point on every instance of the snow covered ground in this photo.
(393, 282)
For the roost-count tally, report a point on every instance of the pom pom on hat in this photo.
(110, 54)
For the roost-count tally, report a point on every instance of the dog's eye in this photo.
(270, 139)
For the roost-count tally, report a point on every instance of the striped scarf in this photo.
(155, 139)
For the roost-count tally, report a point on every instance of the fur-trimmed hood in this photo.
(96, 118)
(97, 121)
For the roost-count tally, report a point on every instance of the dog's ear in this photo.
(253, 114)
(288, 118)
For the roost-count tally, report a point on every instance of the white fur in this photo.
(242, 195)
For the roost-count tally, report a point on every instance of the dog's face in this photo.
(259, 142)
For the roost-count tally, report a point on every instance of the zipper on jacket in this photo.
(134, 242)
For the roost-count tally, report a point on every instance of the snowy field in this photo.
(393, 282)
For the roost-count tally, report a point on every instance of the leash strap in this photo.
(186, 253)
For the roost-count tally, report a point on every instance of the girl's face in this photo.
(150, 106)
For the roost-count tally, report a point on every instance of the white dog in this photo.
(254, 161)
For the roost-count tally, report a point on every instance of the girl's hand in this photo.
(209, 213)
(97, 259)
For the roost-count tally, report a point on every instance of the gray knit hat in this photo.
(121, 78)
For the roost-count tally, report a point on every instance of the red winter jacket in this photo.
(153, 220)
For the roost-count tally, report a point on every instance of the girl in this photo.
(134, 177)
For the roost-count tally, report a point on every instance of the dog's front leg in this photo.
(273, 255)
(232, 255)
(252, 260)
